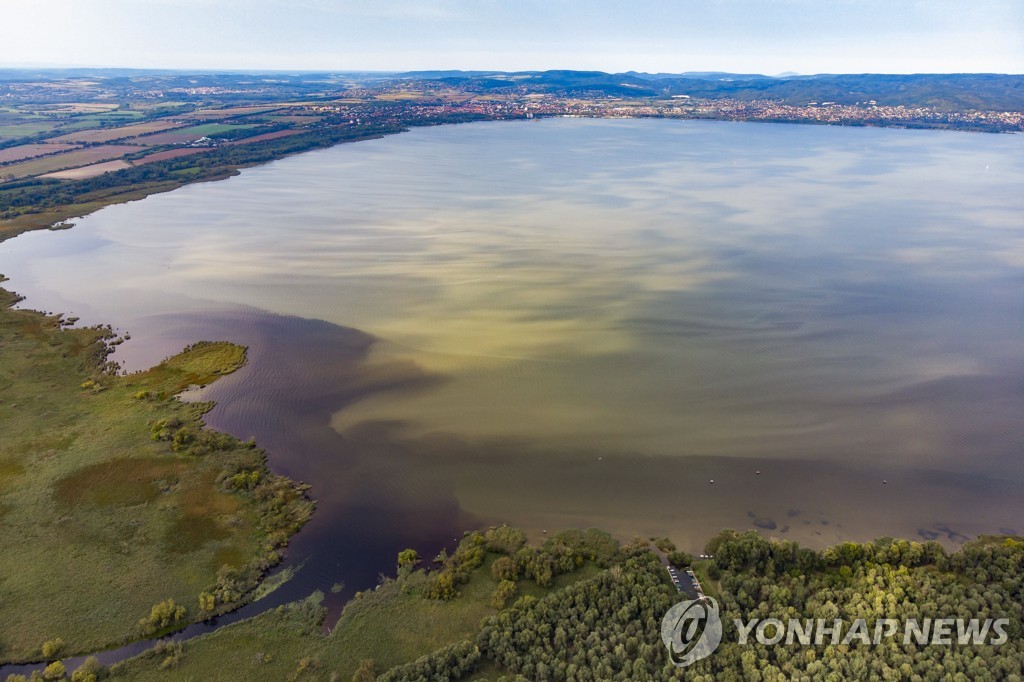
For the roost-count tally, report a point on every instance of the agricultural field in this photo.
(72, 159)
(404, 96)
(112, 496)
(298, 119)
(122, 133)
(170, 154)
(230, 112)
(277, 134)
(81, 107)
(14, 130)
(185, 135)
(38, 121)
(31, 151)
(90, 171)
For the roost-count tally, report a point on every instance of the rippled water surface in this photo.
(575, 322)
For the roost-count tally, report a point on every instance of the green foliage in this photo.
(95, 498)
(679, 559)
(207, 601)
(91, 670)
(366, 672)
(52, 648)
(408, 558)
(505, 568)
(174, 652)
(604, 628)
(442, 587)
(450, 663)
(162, 616)
(506, 590)
(505, 539)
(563, 553)
(886, 578)
(664, 544)
(55, 671)
(608, 628)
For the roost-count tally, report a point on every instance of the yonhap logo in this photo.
(691, 630)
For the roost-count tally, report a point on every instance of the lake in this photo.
(574, 322)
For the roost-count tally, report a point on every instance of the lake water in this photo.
(582, 323)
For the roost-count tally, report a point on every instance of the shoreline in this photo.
(53, 218)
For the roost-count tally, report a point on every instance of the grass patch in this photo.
(121, 482)
(183, 135)
(191, 531)
(28, 129)
(9, 473)
(197, 365)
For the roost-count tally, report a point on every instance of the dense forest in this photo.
(608, 627)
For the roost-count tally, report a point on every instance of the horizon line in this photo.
(270, 70)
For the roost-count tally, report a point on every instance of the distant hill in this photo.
(944, 92)
(941, 91)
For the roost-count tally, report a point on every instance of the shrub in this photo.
(162, 616)
(504, 568)
(55, 671)
(91, 670)
(680, 559)
(506, 590)
(408, 558)
(52, 648)
(207, 602)
(366, 672)
(664, 544)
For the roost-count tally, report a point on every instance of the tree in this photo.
(90, 671)
(679, 559)
(408, 558)
(504, 568)
(55, 671)
(506, 590)
(162, 616)
(52, 648)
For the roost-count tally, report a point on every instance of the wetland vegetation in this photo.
(600, 617)
(123, 517)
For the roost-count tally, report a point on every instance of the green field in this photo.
(70, 159)
(189, 134)
(14, 131)
(112, 496)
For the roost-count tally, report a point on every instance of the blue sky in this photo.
(765, 36)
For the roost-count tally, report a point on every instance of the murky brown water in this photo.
(575, 323)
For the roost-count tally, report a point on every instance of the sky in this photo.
(740, 36)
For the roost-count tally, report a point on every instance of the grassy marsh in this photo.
(114, 497)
